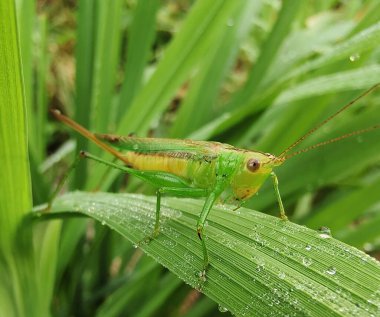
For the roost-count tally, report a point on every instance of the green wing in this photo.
(151, 145)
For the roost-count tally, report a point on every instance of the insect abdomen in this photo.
(183, 164)
(158, 162)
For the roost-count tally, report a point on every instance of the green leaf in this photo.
(362, 78)
(204, 87)
(352, 203)
(260, 265)
(358, 44)
(18, 295)
(351, 48)
(203, 26)
(141, 35)
(15, 184)
(365, 233)
(105, 63)
(268, 52)
(83, 78)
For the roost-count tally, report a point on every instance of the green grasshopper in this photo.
(187, 168)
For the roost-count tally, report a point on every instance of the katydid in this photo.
(189, 168)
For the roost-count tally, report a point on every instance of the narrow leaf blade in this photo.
(260, 265)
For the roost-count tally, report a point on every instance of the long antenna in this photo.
(324, 122)
(312, 147)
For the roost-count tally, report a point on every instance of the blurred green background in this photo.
(255, 74)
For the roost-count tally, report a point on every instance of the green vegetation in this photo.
(255, 74)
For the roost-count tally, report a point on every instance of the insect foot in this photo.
(202, 276)
(284, 217)
(199, 232)
(148, 239)
(201, 280)
(156, 230)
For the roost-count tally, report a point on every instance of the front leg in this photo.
(276, 190)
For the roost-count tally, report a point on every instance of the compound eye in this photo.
(253, 165)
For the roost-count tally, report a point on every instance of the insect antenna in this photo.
(307, 134)
(345, 136)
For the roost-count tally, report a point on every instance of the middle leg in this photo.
(182, 192)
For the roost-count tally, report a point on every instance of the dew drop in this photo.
(222, 309)
(308, 247)
(135, 147)
(103, 222)
(281, 275)
(306, 261)
(325, 232)
(354, 57)
(260, 267)
(331, 271)
(135, 246)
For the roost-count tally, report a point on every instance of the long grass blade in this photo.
(260, 265)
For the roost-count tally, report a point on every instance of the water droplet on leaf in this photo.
(222, 309)
(331, 271)
(306, 261)
(325, 232)
(354, 57)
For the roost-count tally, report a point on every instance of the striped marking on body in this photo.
(172, 162)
